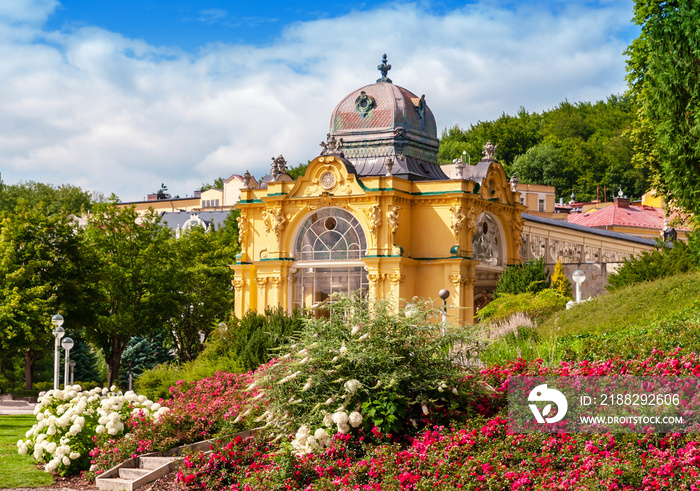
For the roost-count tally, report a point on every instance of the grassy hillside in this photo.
(663, 314)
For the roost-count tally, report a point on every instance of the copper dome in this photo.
(384, 120)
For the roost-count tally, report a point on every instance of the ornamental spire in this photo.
(384, 68)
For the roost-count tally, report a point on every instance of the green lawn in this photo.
(630, 322)
(638, 305)
(16, 470)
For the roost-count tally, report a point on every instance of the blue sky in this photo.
(191, 25)
(121, 96)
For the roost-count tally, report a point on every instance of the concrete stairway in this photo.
(136, 472)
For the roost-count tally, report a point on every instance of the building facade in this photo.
(375, 213)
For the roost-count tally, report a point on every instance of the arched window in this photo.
(328, 254)
(486, 244)
(330, 234)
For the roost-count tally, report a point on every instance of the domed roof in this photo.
(381, 121)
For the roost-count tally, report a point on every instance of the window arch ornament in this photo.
(486, 243)
(330, 234)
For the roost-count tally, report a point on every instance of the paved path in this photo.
(16, 407)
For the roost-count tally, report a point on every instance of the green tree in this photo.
(560, 283)
(141, 354)
(297, 171)
(513, 135)
(131, 281)
(199, 267)
(42, 271)
(163, 193)
(582, 146)
(531, 276)
(543, 164)
(664, 77)
(65, 199)
(218, 184)
(85, 358)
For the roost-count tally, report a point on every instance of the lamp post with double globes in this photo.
(58, 332)
(67, 344)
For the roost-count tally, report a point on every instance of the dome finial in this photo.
(384, 68)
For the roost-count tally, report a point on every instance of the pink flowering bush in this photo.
(197, 411)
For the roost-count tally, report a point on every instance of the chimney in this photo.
(622, 202)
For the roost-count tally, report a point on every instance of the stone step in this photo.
(154, 462)
(115, 484)
(6, 403)
(133, 473)
(138, 471)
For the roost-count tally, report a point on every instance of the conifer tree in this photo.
(560, 283)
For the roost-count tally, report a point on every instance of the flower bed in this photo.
(478, 455)
(196, 412)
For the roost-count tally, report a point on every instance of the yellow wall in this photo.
(429, 248)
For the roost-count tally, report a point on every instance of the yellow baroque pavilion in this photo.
(375, 213)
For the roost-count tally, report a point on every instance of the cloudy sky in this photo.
(119, 97)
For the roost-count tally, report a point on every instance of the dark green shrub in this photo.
(530, 276)
(241, 346)
(654, 265)
(251, 338)
(142, 353)
(538, 306)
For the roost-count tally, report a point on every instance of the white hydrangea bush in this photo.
(69, 421)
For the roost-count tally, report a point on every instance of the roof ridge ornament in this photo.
(384, 68)
(332, 146)
(490, 150)
(278, 166)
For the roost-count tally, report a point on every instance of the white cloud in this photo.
(113, 114)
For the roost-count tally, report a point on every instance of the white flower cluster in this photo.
(352, 385)
(304, 442)
(68, 419)
(343, 420)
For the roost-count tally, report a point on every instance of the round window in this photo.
(330, 223)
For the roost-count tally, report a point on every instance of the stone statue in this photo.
(332, 146)
(490, 150)
(243, 228)
(393, 216)
(375, 219)
(458, 219)
(280, 163)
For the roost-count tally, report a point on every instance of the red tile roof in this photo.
(634, 216)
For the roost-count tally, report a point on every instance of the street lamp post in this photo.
(67, 344)
(72, 372)
(58, 332)
(579, 277)
(444, 294)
